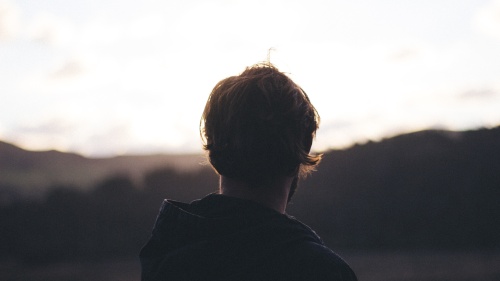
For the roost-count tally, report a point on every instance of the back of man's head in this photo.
(258, 126)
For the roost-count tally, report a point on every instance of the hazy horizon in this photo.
(201, 152)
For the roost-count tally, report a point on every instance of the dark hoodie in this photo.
(226, 238)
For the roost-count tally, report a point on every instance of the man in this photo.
(258, 129)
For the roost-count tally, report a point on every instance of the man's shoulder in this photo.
(317, 260)
(309, 260)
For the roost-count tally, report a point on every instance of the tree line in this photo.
(420, 191)
(114, 219)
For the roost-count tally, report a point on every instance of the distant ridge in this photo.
(431, 188)
(32, 172)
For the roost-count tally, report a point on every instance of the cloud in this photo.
(404, 54)
(487, 19)
(47, 133)
(49, 29)
(69, 69)
(9, 21)
(55, 126)
(111, 140)
(478, 94)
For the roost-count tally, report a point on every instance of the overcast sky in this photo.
(106, 77)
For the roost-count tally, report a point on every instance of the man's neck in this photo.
(274, 195)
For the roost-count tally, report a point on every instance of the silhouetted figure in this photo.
(258, 129)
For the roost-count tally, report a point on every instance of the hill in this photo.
(429, 190)
(31, 173)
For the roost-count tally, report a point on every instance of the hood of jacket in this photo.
(218, 238)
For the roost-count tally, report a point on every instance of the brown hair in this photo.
(259, 125)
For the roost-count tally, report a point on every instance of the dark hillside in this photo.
(430, 190)
(31, 173)
(426, 189)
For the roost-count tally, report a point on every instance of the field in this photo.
(425, 266)
(369, 266)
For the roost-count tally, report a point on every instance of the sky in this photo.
(111, 77)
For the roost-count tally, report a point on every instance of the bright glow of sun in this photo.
(111, 78)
